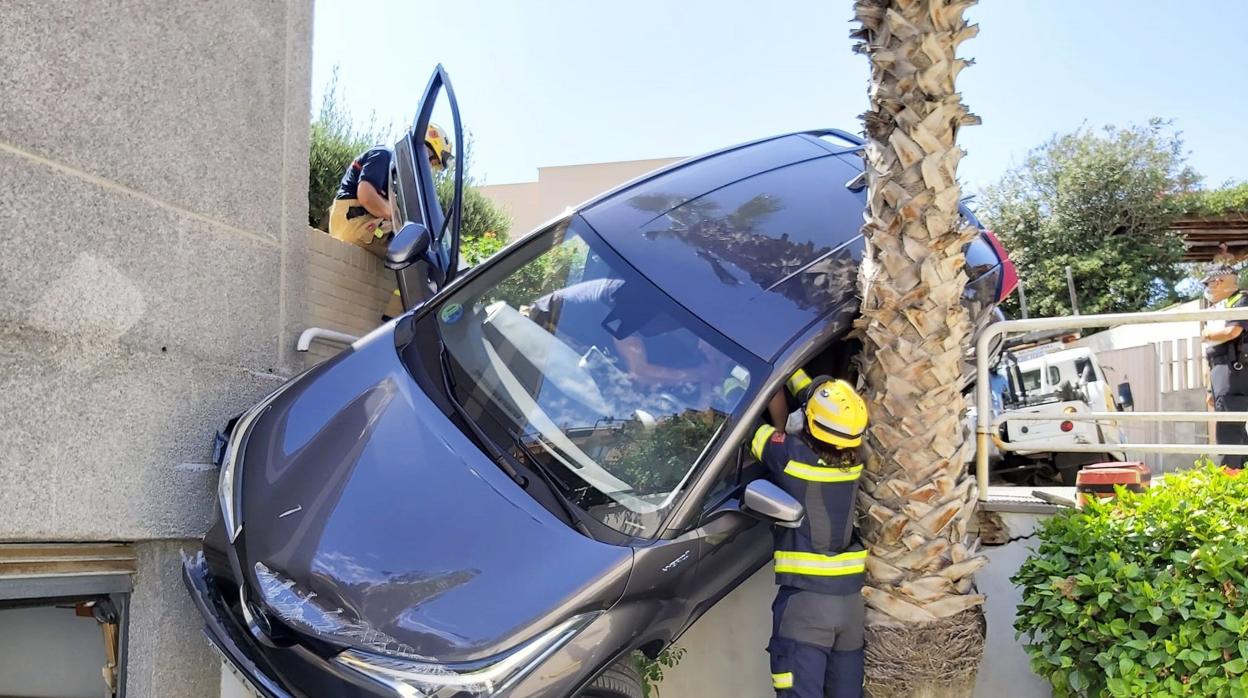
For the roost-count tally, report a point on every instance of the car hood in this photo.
(359, 494)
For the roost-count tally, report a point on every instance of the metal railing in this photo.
(987, 424)
(305, 339)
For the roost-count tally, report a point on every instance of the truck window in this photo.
(1031, 380)
(1055, 377)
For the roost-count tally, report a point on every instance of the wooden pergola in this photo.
(1204, 235)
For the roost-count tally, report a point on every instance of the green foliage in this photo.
(1101, 202)
(655, 460)
(335, 142)
(1215, 202)
(1145, 595)
(651, 670)
(483, 230)
(554, 269)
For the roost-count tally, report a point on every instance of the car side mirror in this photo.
(767, 501)
(408, 245)
(1125, 401)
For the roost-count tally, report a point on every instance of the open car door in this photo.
(427, 206)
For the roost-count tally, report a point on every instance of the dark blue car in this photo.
(542, 466)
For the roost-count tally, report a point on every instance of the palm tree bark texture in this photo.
(925, 624)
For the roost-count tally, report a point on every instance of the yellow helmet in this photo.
(836, 414)
(438, 147)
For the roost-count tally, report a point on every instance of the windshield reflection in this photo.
(601, 378)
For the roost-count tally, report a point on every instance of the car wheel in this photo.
(620, 680)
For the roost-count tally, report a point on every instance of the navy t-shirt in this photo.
(372, 167)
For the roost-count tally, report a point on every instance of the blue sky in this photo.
(558, 82)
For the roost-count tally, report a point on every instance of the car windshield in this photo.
(613, 388)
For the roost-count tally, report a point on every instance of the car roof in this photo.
(760, 241)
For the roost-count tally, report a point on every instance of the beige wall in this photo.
(348, 288)
(557, 188)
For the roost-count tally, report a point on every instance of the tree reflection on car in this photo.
(609, 385)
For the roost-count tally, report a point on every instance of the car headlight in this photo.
(416, 678)
(227, 492)
(398, 665)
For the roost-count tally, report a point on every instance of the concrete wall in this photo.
(1189, 400)
(153, 266)
(1005, 670)
(726, 649)
(532, 203)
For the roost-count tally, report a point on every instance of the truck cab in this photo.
(1067, 381)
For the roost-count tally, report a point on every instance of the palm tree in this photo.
(925, 625)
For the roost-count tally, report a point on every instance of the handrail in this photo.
(983, 399)
(1019, 416)
(306, 337)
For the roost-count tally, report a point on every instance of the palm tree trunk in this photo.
(925, 626)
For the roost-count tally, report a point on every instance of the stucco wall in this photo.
(152, 275)
(726, 649)
(532, 203)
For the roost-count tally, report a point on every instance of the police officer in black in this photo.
(818, 615)
(1225, 344)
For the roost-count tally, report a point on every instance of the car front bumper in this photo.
(226, 634)
(270, 672)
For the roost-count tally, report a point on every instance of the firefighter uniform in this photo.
(817, 618)
(1228, 381)
(349, 221)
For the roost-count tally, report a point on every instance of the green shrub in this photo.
(1232, 198)
(335, 142)
(651, 670)
(483, 230)
(1145, 595)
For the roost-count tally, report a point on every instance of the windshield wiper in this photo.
(538, 467)
(499, 458)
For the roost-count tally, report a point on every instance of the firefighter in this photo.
(817, 617)
(362, 214)
(778, 407)
(1225, 351)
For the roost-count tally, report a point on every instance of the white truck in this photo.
(1067, 381)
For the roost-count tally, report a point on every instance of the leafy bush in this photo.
(484, 226)
(335, 142)
(1232, 198)
(651, 670)
(554, 269)
(1145, 595)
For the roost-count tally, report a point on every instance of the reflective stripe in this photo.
(760, 439)
(784, 680)
(798, 381)
(814, 564)
(822, 473)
